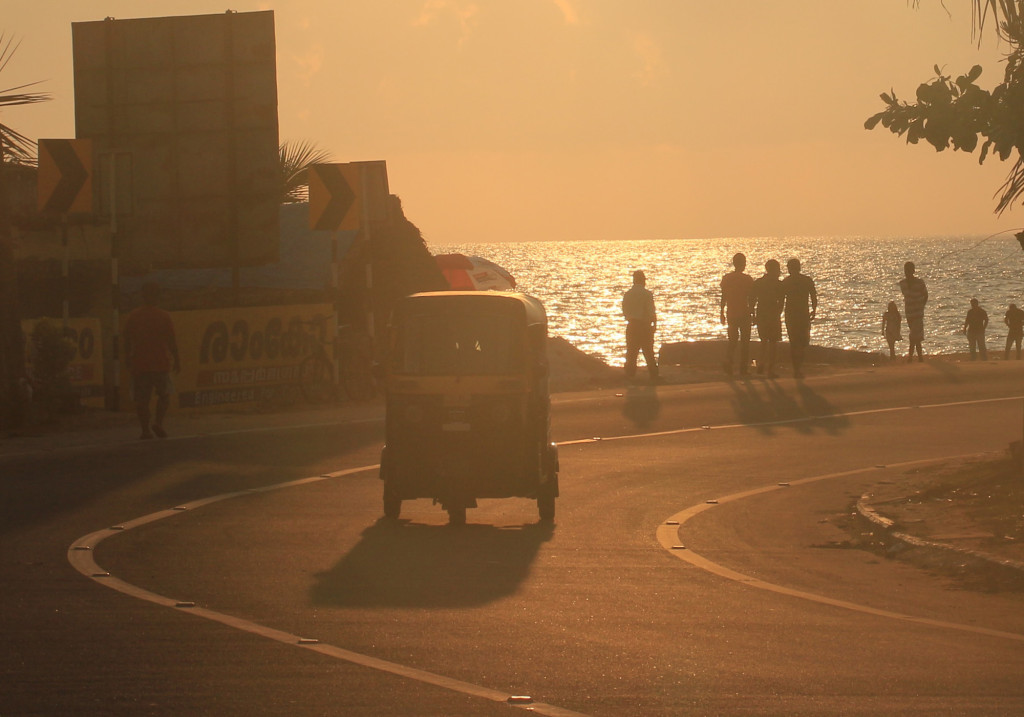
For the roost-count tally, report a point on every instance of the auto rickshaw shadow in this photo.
(404, 564)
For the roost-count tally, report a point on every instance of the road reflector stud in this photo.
(180, 507)
(618, 395)
(596, 438)
(713, 501)
(784, 485)
(184, 603)
(671, 522)
(706, 428)
(81, 547)
(679, 547)
(117, 527)
(520, 700)
(308, 641)
(101, 575)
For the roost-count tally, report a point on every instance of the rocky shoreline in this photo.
(701, 361)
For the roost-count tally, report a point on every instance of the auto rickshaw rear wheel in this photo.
(457, 515)
(546, 506)
(392, 505)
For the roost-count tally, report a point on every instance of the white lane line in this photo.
(668, 537)
(786, 421)
(81, 556)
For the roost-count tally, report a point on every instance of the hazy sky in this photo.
(505, 120)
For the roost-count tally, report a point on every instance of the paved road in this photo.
(599, 615)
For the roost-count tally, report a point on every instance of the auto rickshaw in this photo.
(468, 410)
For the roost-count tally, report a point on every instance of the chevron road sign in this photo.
(336, 201)
(65, 176)
(334, 191)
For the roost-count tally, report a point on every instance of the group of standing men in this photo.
(745, 302)
(763, 302)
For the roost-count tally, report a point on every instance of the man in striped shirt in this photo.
(915, 296)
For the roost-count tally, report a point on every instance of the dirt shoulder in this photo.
(962, 518)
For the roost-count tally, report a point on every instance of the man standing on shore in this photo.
(915, 296)
(801, 301)
(975, 324)
(766, 301)
(641, 324)
(152, 351)
(1014, 319)
(735, 313)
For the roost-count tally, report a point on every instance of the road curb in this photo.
(867, 512)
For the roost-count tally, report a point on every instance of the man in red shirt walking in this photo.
(152, 352)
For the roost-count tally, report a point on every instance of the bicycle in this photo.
(320, 376)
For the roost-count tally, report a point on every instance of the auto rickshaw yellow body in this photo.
(468, 409)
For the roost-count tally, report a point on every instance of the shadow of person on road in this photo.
(814, 404)
(401, 564)
(787, 408)
(642, 405)
(779, 407)
(950, 371)
(751, 408)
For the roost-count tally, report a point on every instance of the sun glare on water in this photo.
(581, 284)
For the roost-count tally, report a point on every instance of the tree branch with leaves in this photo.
(958, 114)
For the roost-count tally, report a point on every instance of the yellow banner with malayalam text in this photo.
(249, 354)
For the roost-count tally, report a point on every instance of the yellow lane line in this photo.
(81, 556)
(668, 537)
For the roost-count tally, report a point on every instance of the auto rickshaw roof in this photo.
(532, 308)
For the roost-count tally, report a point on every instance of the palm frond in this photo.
(1006, 14)
(295, 159)
(7, 50)
(14, 145)
(1012, 188)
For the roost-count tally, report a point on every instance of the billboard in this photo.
(247, 355)
(182, 112)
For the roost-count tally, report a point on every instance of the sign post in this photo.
(350, 197)
(116, 201)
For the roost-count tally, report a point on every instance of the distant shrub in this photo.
(51, 353)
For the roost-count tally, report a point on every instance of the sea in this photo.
(581, 284)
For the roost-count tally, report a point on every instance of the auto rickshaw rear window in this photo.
(470, 344)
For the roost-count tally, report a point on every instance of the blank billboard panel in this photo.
(190, 104)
